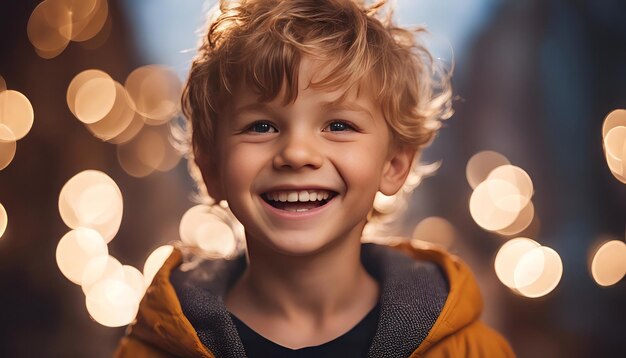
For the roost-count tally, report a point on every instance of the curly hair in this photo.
(260, 44)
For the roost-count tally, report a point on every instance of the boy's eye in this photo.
(338, 126)
(261, 127)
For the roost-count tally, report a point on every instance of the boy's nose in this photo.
(297, 152)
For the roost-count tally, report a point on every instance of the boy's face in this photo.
(276, 162)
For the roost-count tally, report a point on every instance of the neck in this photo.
(315, 286)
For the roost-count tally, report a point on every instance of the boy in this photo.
(301, 111)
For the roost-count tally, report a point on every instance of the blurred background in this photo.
(533, 80)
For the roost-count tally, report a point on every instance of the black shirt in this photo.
(354, 343)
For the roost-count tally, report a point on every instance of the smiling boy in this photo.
(301, 112)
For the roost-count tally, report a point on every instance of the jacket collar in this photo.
(183, 312)
(412, 296)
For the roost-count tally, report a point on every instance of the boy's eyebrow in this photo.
(251, 107)
(326, 106)
(346, 106)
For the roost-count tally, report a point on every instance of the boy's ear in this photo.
(210, 178)
(396, 169)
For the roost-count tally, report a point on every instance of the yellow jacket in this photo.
(162, 329)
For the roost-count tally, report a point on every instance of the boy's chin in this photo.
(296, 247)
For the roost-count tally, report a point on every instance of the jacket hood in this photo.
(183, 313)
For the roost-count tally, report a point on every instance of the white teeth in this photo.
(301, 195)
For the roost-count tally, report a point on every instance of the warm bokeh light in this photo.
(112, 303)
(193, 218)
(538, 272)
(7, 147)
(101, 268)
(154, 262)
(53, 23)
(134, 127)
(76, 249)
(171, 155)
(92, 199)
(614, 119)
(608, 265)
(16, 113)
(134, 278)
(81, 80)
(216, 238)
(521, 223)
(88, 17)
(509, 256)
(615, 151)
(49, 28)
(436, 230)
(150, 150)
(495, 204)
(4, 220)
(115, 121)
(94, 100)
(481, 164)
(156, 92)
(519, 178)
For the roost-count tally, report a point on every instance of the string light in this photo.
(16, 113)
(4, 220)
(608, 265)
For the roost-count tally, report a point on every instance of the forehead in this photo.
(312, 89)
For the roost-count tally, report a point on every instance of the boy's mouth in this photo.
(298, 200)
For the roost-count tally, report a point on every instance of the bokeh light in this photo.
(156, 92)
(94, 99)
(80, 85)
(7, 147)
(134, 127)
(112, 303)
(101, 268)
(538, 272)
(88, 17)
(54, 23)
(155, 261)
(527, 268)
(76, 249)
(4, 220)
(150, 150)
(117, 119)
(481, 164)
(101, 37)
(616, 118)
(521, 222)
(615, 151)
(216, 238)
(508, 257)
(495, 204)
(49, 28)
(193, 218)
(437, 230)
(92, 199)
(16, 113)
(608, 265)
(134, 278)
(518, 177)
